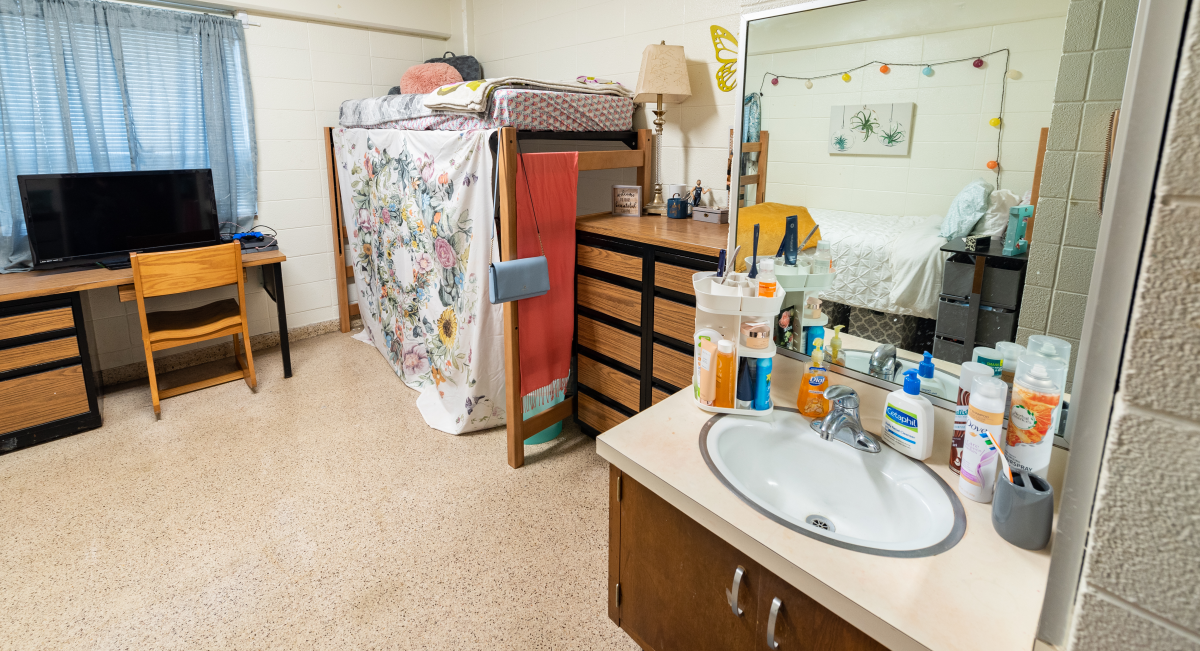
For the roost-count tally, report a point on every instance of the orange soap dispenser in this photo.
(812, 402)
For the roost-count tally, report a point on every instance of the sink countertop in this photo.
(984, 593)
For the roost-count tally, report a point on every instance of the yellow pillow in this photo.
(772, 220)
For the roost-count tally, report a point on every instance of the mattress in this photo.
(529, 110)
(887, 263)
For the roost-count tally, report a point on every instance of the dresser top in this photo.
(679, 234)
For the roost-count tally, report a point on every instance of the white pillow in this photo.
(995, 220)
(966, 209)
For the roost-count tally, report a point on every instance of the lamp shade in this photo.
(664, 72)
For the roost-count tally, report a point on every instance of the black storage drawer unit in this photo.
(47, 389)
(1001, 287)
(993, 325)
(966, 320)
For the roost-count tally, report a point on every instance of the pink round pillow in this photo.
(428, 77)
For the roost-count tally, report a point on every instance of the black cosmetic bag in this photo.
(467, 66)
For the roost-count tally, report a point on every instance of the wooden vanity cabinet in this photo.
(669, 581)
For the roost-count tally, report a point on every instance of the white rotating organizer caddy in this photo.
(719, 308)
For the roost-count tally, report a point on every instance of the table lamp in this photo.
(663, 77)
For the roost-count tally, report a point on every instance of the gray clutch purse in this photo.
(513, 280)
(517, 279)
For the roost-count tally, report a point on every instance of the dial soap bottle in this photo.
(908, 419)
(812, 402)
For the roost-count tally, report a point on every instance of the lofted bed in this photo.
(513, 116)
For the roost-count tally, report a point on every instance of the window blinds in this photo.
(95, 86)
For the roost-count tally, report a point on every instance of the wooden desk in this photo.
(32, 284)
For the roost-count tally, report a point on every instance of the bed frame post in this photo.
(507, 160)
(760, 189)
(1037, 181)
(340, 269)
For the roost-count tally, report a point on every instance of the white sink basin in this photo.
(883, 503)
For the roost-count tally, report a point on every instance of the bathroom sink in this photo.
(860, 360)
(883, 503)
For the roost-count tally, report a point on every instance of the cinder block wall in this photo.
(1091, 79)
(1141, 577)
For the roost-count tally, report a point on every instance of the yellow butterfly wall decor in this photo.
(726, 46)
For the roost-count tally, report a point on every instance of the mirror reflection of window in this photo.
(914, 139)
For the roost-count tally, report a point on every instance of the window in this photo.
(95, 86)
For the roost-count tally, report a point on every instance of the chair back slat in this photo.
(176, 272)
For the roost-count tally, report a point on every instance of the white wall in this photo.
(300, 73)
(554, 39)
(951, 140)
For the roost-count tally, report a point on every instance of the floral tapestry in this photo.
(418, 207)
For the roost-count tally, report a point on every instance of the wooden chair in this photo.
(178, 272)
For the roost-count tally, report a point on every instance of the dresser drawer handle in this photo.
(731, 595)
(775, 605)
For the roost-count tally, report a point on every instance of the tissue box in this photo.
(711, 215)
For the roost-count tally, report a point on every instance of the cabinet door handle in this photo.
(775, 605)
(732, 594)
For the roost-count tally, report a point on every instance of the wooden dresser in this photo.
(47, 389)
(635, 310)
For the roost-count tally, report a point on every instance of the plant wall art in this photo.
(872, 129)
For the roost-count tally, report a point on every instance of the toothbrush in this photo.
(720, 275)
(810, 234)
(987, 438)
(754, 265)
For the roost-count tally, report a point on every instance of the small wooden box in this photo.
(711, 215)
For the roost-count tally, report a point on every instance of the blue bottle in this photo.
(811, 335)
(762, 384)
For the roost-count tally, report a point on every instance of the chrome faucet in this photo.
(842, 423)
(884, 364)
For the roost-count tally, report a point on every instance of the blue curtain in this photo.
(91, 86)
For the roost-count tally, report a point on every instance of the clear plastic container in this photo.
(823, 258)
(766, 278)
(1056, 349)
(1009, 353)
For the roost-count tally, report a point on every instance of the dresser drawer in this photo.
(32, 323)
(599, 415)
(610, 341)
(669, 276)
(607, 298)
(610, 382)
(42, 398)
(608, 261)
(40, 353)
(674, 320)
(672, 366)
(657, 395)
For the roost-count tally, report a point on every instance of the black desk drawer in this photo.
(993, 326)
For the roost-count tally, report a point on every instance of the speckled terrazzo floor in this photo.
(318, 513)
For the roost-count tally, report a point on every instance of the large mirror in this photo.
(950, 157)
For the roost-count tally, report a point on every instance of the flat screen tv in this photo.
(78, 218)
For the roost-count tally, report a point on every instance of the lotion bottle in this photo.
(835, 347)
(908, 419)
(929, 384)
(726, 374)
(981, 441)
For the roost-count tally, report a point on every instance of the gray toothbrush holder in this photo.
(1023, 510)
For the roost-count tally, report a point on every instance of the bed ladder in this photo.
(520, 429)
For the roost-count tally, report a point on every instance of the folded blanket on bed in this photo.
(473, 96)
(364, 113)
